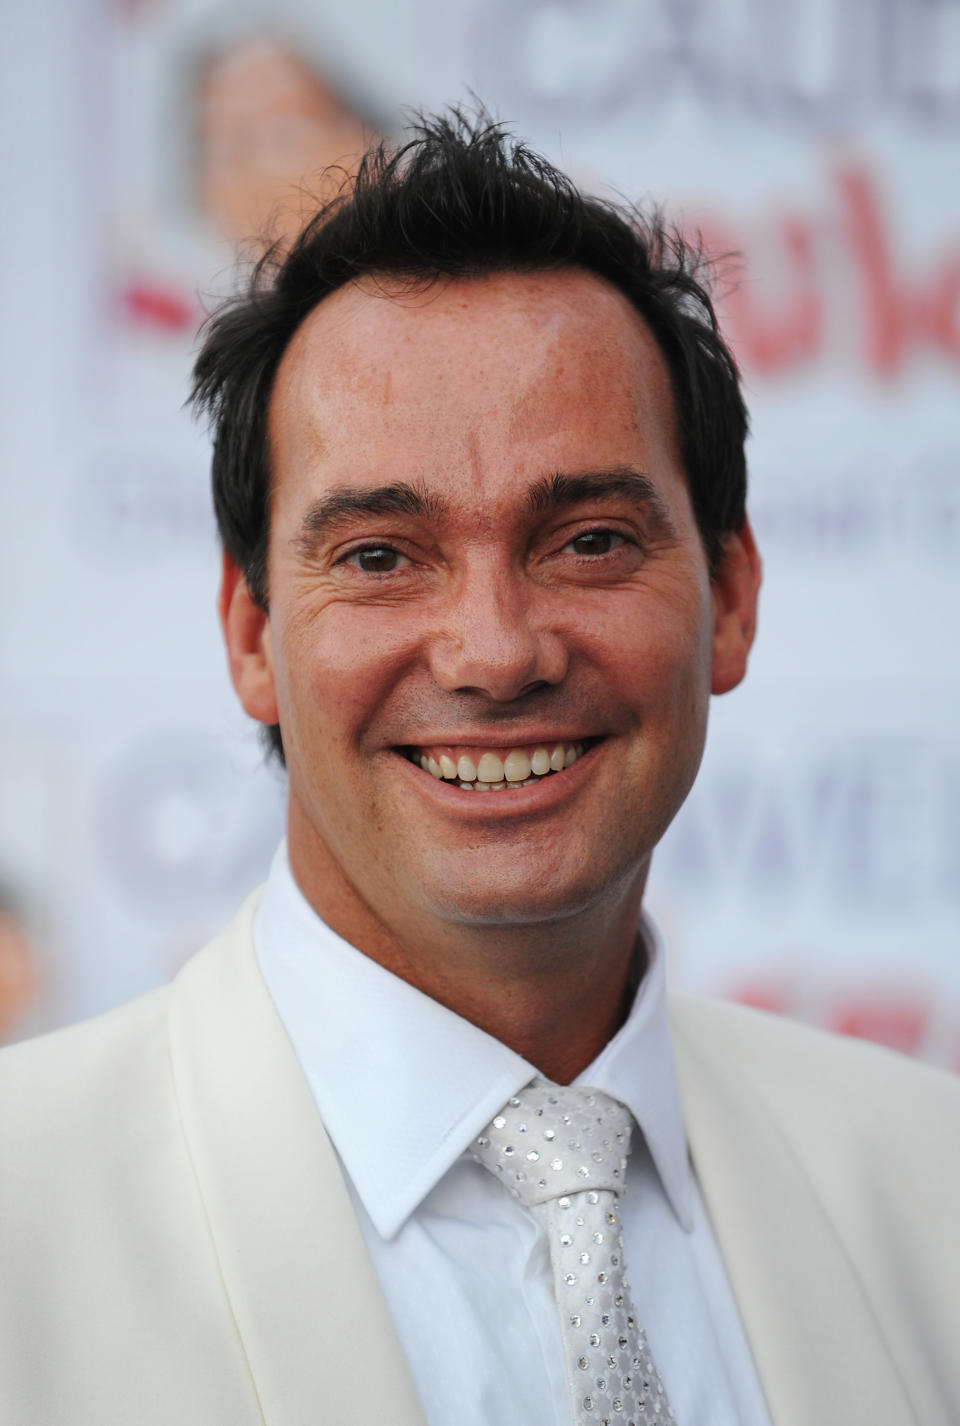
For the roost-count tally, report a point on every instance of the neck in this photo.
(553, 991)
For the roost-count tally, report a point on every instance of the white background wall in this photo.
(816, 866)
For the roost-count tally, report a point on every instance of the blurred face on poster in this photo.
(18, 970)
(269, 127)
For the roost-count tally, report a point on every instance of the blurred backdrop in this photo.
(148, 143)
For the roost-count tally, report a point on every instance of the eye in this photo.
(376, 559)
(595, 542)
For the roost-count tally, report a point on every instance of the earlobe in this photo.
(246, 634)
(734, 588)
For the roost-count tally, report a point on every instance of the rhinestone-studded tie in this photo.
(563, 1152)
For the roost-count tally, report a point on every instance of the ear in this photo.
(734, 588)
(246, 633)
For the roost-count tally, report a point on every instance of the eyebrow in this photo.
(341, 507)
(554, 492)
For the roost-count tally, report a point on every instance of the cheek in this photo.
(657, 650)
(336, 668)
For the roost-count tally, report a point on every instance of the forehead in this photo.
(481, 375)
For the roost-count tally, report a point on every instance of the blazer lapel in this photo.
(310, 1313)
(818, 1349)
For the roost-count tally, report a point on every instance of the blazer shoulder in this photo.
(54, 1072)
(829, 1167)
(111, 1056)
(790, 1056)
(112, 1297)
(840, 1101)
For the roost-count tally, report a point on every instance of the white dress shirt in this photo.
(403, 1085)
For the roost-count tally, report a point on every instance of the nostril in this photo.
(502, 663)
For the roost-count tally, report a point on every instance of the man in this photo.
(479, 478)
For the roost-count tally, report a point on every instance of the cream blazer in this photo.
(178, 1248)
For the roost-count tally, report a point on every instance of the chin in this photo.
(512, 904)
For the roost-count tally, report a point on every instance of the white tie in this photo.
(563, 1152)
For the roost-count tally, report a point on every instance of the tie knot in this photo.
(551, 1140)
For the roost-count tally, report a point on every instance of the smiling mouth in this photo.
(498, 771)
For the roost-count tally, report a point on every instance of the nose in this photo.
(496, 639)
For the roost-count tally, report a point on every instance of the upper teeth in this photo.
(490, 772)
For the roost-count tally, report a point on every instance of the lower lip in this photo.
(509, 801)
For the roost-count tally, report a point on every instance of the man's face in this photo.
(481, 544)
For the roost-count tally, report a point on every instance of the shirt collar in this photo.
(636, 1067)
(400, 1080)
